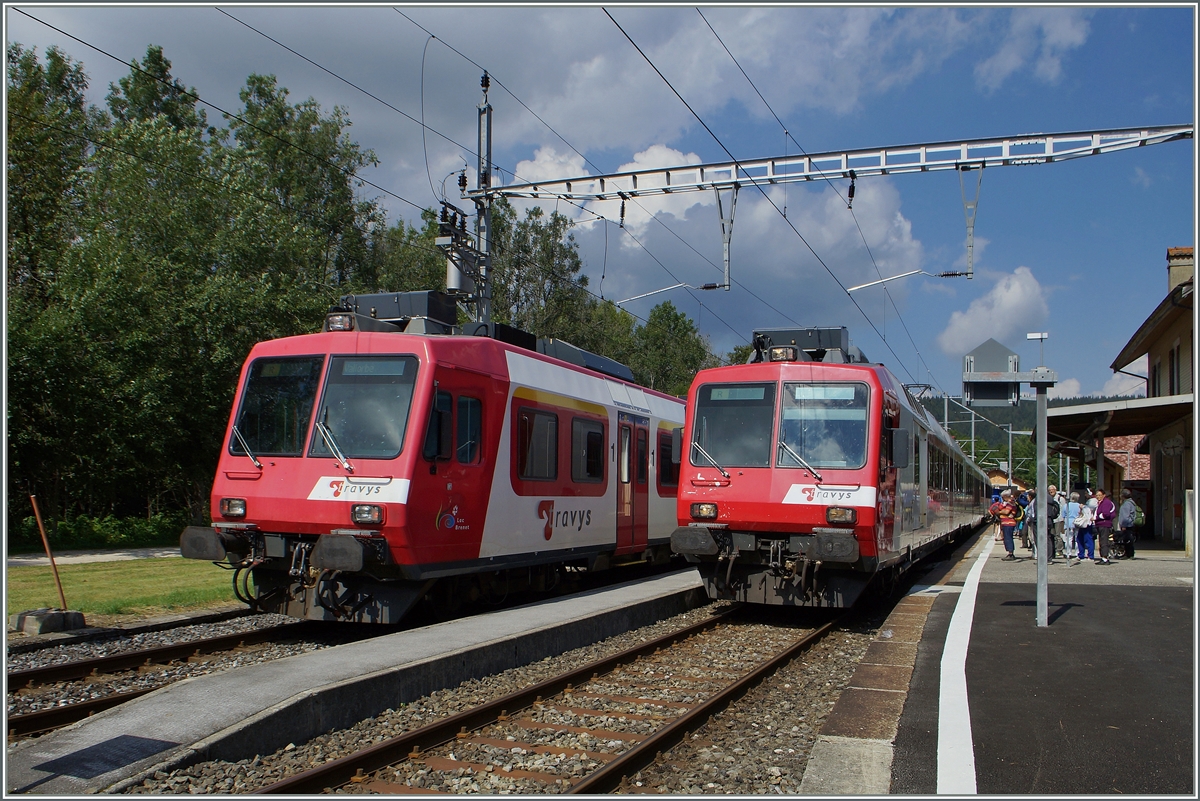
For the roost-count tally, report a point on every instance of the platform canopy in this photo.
(1070, 426)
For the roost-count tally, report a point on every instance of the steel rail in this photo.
(340, 771)
(609, 777)
(131, 660)
(56, 717)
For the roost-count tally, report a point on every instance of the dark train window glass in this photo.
(587, 451)
(277, 406)
(625, 455)
(470, 427)
(823, 424)
(365, 406)
(643, 457)
(668, 469)
(733, 423)
(537, 445)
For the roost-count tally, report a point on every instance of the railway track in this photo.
(583, 731)
(135, 659)
(74, 690)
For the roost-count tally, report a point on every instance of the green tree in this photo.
(536, 280)
(406, 258)
(309, 162)
(47, 154)
(669, 351)
(47, 150)
(149, 92)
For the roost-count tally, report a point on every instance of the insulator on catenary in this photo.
(622, 225)
(850, 203)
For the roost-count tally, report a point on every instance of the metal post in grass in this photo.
(46, 542)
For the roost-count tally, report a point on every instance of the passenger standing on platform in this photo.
(1029, 523)
(1106, 512)
(1084, 533)
(1070, 516)
(1059, 521)
(1125, 522)
(1005, 511)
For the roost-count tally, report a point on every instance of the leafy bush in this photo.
(102, 532)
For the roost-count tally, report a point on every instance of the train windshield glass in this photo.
(733, 425)
(824, 424)
(365, 406)
(277, 406)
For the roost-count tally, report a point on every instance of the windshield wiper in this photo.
(800, 459)
(707, 456)
(331, 443)
(242, 441)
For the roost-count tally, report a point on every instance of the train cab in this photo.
(365, 463)
(798, 471)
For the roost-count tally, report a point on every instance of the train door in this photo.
(452, 484)
(923, 475)
(633, 482)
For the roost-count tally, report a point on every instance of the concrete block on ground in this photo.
(848, 766)
(43, 621)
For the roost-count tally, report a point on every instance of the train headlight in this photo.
(339, 322)
(233, 507)
(783, 353)
(366, 514)
(704, 511)
(840, 514)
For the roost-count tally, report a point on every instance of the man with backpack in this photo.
(1127, 522)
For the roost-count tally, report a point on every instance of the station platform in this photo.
(967, 695)
(263, 707)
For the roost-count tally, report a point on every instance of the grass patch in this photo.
(145, 587)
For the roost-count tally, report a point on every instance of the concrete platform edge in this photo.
(316, 711)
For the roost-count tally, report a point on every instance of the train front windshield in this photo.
(733, 424)
(365, 406)
(825, 424)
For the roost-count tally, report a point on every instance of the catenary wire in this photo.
(791, 225)
(786, 136)
(286, 142)
(591, 164)
(432, 37)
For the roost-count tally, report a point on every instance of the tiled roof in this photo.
(1121, 451)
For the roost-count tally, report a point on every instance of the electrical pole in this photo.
(483, 203)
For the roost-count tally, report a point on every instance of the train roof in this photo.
(480, 353)
(878, 375)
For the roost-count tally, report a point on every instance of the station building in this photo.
(1159, 427)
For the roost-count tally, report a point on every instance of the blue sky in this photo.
(1075, 249)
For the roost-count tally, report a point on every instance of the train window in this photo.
(587, 451)
(470, 427)
(625, 455)
(733, 424)
(277, 406)
(365, 406)
(668, 468)
(537, 445)
(823, 424)
(643, 456)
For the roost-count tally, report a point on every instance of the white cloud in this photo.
(1039, 38)
(1015, 305)
(1140, 178)
(1121, 384)
(1067, 388)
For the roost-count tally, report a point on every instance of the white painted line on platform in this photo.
(934, 589)
(956, 748)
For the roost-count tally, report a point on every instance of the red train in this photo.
(808, 472)
(391, 458)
